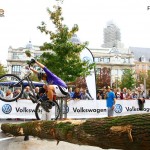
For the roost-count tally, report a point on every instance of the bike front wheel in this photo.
(9, 89)
(52, 107)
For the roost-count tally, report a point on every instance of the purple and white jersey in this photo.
(53, 79)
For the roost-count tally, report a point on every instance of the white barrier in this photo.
(98, 109)
(75, 108)
(20, 109)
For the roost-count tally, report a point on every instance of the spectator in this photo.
(77, 93)
(129, 95)
(37, 92)
(26, 93)
(9, 94)
(1, 93)
(134, 95)
(70, 93)
(117, 93)
(125, 93)
(141, 99)
(110, 101)
(98, 97)
(85, 95)
(16, 92)
(103, 93)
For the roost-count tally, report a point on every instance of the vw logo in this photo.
(118, 108)
(6, 108)
(86, 58)
(65, 109)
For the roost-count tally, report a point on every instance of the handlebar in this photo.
(29, 63)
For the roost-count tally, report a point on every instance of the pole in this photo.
(145, 86)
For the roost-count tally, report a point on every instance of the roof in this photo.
(139, 52)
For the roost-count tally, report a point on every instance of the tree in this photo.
(140, 78)
(2, 70)
(102, 77)
(34, 77)
(62, 56)
(128, 79)
(123, 132)
(148, 80)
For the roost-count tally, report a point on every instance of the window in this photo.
(101, 59)
(106, 60)
(126, 60)
(16, 69)
(17, 56)
(97, 59)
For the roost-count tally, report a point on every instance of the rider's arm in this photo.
(35, 71)
(39, 64)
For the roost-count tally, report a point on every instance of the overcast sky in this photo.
(23, 16)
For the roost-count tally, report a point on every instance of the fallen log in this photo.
(124, 132)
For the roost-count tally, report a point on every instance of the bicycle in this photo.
(14, 83)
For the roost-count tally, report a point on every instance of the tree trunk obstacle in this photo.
(124, 132)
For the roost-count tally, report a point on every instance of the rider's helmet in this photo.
(41, 75)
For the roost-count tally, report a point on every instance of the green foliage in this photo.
(60, 55)
(148, 80)
(2, 70)
(34, 77)
(128, 79)
(28, 53)
(140, 79)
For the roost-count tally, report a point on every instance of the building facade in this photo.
(142, 59)
(17, 58)
(116, 60)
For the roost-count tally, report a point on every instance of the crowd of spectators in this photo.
(125, 94)
(83, 94)
(79, 93)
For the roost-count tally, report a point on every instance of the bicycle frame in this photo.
(31, 85)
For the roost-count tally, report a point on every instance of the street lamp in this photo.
(145, 77)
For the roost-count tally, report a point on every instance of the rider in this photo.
(55, 86)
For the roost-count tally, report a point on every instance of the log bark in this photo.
(124, 132)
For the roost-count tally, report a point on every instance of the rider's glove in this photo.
(32, 60)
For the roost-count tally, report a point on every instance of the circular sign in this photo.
(6, 109)
(118, 108)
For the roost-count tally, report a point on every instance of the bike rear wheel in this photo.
(10, 91)
(53, 114)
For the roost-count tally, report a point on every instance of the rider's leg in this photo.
(50, 92)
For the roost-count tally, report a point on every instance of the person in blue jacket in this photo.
(110, 101)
